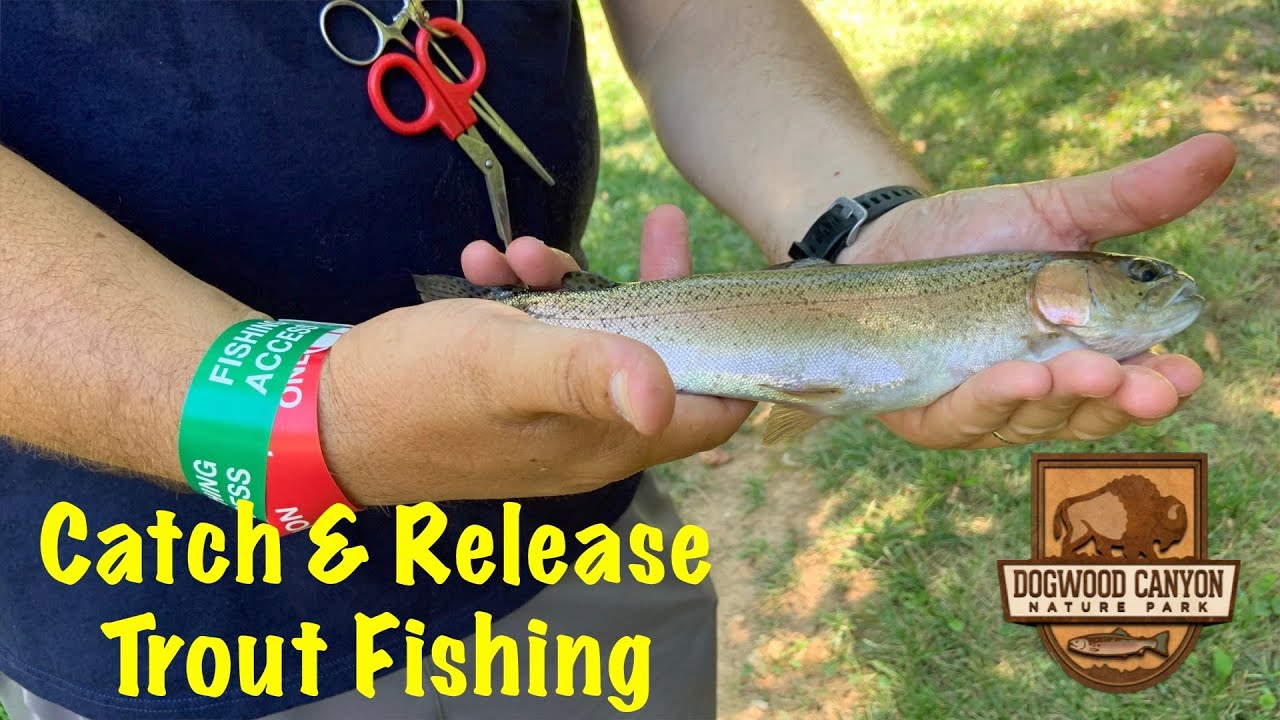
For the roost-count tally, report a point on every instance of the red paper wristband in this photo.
(299, 485)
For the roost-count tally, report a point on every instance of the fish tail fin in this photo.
(446, 287)
(1162, 643)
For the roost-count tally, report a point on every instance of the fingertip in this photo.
(711, 421)
(1181, 177)
(484, 264)
(1085, 373)
(1218, 150)
(539, 265)
(665, 213)
(1182, 372)
(1016, 380)
(525, 250)
(1146, 393)
(1213, 159)
(664, 244)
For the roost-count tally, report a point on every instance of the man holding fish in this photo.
(212, 207)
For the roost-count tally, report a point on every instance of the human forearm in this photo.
(101, 334)
(757, 109)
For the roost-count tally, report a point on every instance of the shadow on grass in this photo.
(1043, 104)
(1046, 102)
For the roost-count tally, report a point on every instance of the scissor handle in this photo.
(448, 105)
(386, 33)
(449, 26)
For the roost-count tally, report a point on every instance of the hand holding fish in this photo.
(1079, 395)
(474, 400)
(1070, 394)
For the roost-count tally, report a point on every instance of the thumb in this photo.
(664, 244)
(1140, 195)
(588, 374)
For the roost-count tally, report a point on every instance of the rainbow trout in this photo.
(1119, 643)
(821, 340)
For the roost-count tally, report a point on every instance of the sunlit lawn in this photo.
(1008, 91)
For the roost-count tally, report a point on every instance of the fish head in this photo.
(1077, 644)
(1119, 305)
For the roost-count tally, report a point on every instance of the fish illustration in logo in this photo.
(1119, 643)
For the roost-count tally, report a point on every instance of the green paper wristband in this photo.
(231, 408)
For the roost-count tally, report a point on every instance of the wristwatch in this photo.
(836, 229)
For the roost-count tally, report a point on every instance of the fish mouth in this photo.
(1182, 307)
(1188, 309)
(1188, 292)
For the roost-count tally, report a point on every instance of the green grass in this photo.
(998, 92)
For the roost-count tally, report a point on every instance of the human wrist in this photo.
(837, 234)
(796, 215)
(877, 242)
(370, 431)
(343, 431)
(249, 428)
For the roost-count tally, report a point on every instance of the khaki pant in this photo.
(679, 618)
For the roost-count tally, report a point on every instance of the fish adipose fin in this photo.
(447, 287)
(579, 280)
(788, 422)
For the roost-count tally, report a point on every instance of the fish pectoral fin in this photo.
(787, 422)
(797, 264)
(583, 280)
(1041, 343)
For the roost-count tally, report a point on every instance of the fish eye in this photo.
(1144, 271)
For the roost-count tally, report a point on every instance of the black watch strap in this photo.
(837, 227)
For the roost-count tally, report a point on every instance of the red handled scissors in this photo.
(448, 107)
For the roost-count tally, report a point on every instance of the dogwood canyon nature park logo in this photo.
(1119, 582)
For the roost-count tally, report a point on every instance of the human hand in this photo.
(1080, 395)
(470, 399)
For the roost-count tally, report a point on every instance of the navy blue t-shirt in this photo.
(227, 136)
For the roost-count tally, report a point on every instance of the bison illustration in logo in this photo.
(1127, 513)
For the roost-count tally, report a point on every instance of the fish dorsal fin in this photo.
(1120, 631)
(801, 263)
(787, 422)
(579, 280)
(446, 287)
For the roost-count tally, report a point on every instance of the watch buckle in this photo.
(846, 209)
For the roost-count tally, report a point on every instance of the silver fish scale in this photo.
(834, 339)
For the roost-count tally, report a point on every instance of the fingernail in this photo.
(621, 400)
